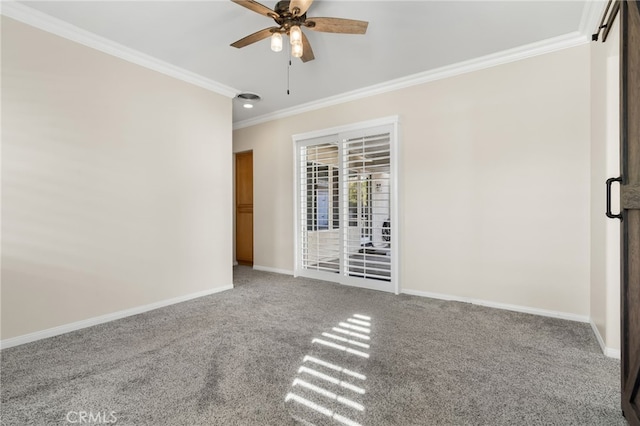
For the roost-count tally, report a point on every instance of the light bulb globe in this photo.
(276, 42)
(296, 50)
(295, 35)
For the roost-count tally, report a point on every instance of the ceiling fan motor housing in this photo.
(286, 18)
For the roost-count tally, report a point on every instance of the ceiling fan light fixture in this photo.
(290, 16)
(276, 42)
(296, 50)
(295, 35)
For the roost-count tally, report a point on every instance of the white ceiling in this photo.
(404, 38)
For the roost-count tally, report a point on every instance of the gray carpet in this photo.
(257, 355)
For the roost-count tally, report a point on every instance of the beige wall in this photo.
(494, 181)
(116, 184)
(605, 157)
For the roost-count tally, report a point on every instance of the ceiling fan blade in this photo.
(337, 25)
(299, 7)
(257, 7)
(252, 38)
(307, 52)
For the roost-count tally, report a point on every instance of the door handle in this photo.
(609, 183)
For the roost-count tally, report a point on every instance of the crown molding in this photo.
(35, 18)
(20, 12)
(511, 55)
(591, 15)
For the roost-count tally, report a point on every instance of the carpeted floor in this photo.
(275, 349)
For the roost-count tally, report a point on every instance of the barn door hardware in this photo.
(609, 183)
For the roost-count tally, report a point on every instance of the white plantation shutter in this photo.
(366, 174)
(319, 210)
(345, 206)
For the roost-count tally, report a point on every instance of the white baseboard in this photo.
(594, 327)
(497, 305)
(66, 328)
(235, 263)
(269, 269)
(610, 352)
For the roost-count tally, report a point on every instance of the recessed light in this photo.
(248, 99)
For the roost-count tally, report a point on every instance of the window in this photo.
(346, 208)
(323, 199)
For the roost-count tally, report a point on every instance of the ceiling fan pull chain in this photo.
(288, 68)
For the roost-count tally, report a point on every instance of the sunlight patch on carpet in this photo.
(329, 383)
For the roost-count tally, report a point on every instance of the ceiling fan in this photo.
(290, 17)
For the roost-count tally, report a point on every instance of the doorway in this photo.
(346, 205)
(244, 207)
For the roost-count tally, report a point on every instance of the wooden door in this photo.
(244, 208)
(630, 202)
